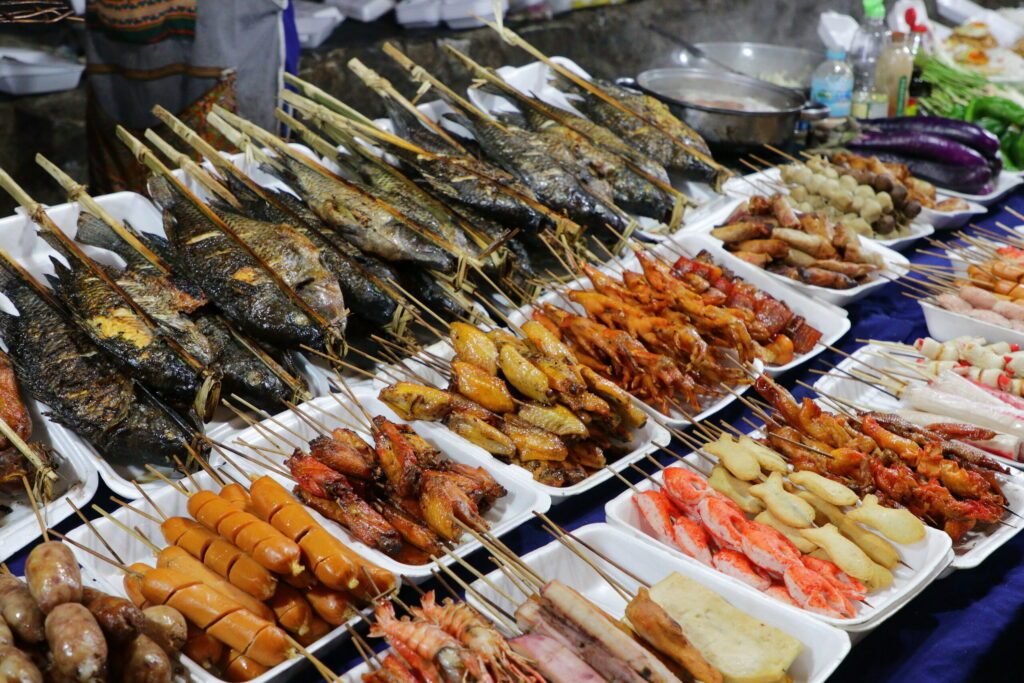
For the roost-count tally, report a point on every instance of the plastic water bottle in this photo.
(832, 84)
(868, 42)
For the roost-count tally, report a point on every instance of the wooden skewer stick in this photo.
(615, 585)
(35, 508)
(98, 555)
(135, 533)
(90, 527)
(149, 500)
(128, 506)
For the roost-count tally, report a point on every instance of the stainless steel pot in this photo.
(687, 91)
(780, 64)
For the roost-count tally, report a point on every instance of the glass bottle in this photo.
(865, 48)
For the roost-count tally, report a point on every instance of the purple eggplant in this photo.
(969, 134)
(966, 179)
(921, 145)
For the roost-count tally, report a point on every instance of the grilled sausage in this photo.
(330, 605)
(6, 637)
(78, 649)
(220, 555)
(118, 618)
(202, 648)
(133, 584)
(52, 574)
(17, 667)
(20, 611)
(258, 538)
(237, 496)
(238, 667)
(146, 662)
(166, 627)
(291, 610)
(179, 560)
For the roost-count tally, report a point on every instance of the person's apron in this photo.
(185, 55)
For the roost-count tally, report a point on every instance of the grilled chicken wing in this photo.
(417, 402)
(475, 384)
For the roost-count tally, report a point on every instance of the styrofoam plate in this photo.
(927, 557)
(944, 325)
(650, 438)
(950, 220)
(1004, 183)
(508, 512)
(824, 646)
(976, 545)
(131, 550)
(19, 527)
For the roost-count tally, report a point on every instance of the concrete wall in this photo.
(609, 42)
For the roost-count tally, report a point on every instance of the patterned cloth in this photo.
(142, 21)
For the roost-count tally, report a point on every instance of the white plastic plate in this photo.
(976, 545)
(927, 557)
(131, 550)
(508, 512)
(650, 438)
(944, 325)
(30, 72)
(1004, 183)
(950, 220)
(19, 527)
(824, 646)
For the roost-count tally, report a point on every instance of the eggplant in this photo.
(920, 145)
(969, 134)
(966, 179)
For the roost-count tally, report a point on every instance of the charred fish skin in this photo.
(59, 366)
(365, 297)
(529, 158)
(365, 222)
(117, 329)
(650, 140)
(407, 126)
(166, 300)
(243, 372)
(296, 260)
(231, 277)
(430, 293)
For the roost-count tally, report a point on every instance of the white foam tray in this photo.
(927, 557)
(131, 550)
(19, 527)
(976, 546)
(507, 513)
(1004, 183)
(944, 325)
(650, 438)
(824, 646)
(31, 72)
(951, 220)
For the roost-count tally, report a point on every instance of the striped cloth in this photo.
(142, 21)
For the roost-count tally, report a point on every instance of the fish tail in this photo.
(161, 192)
(95, 232)
(55, 243)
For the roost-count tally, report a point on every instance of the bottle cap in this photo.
(898, 36)
(875, 9)
(835, 53)
(919, 28)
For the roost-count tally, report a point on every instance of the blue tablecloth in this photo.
(966, 627)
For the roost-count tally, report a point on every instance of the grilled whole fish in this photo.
(164, 299)
(58, 365)
(119, 330)
(529, 158)
(355, 272)
(244, 372)
(627, 189)
(650, 140)
(296, 260)
(365, 222)
(230, 276)
(407, 126)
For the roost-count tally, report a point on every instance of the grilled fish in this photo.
(58, 365)
(296, 260)
(111, 322)
(365, 222)
(650, 140)
(529, 158)
(626, 188)
(230, 276)
(359, 275)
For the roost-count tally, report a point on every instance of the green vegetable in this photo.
(1016, 155)
(993, 125)
(996, 108)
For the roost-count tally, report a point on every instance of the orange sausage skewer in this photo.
(263, 542)
(217, 553)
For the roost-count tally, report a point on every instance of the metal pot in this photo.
(689, 93)
(780, 64)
